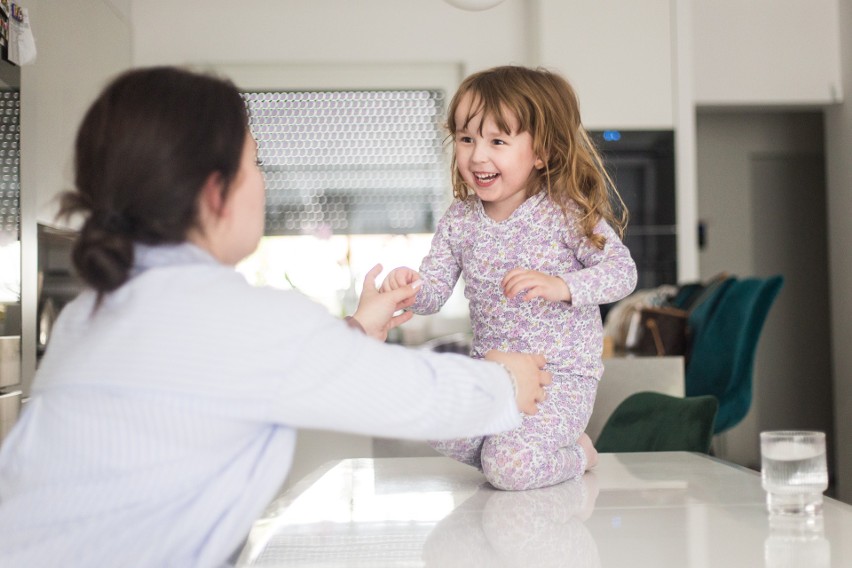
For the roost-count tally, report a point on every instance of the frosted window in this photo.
(351, 162)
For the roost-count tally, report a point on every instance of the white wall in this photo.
(626, 84)
(838, 126)
(69, 72)
(328, 31)
(80, 44)
(727, 143)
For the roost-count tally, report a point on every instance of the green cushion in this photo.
(657, 422)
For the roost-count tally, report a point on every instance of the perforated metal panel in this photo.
(10, 186)
(351, 162)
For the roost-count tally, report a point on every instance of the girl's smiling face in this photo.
(496, 165)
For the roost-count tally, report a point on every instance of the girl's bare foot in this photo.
(591, 453)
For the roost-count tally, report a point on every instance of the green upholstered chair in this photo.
(690, 296)
(656, 422)
(725, 329)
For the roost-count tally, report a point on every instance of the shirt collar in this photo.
(524, 209)
(147, 256)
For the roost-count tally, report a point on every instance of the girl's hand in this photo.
(399, 277)
(529, 375)
(375, 309)
(537, 284)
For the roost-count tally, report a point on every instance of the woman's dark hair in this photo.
(144, 151)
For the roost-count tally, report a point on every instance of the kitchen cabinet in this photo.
(766, 52)
(618, 56)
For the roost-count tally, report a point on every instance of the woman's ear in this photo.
(211, 200)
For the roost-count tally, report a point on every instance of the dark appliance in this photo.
(641, 163)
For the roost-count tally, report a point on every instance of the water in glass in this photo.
(794, 471)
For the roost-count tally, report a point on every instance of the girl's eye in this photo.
(499, 142)
(465, 139)
(259, 162)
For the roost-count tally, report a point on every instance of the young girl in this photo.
(533, 232)
(163, 416)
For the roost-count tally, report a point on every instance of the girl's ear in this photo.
(539, 164)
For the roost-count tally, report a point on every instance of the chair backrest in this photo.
(656, 422)
(689, 296)
(725, 331)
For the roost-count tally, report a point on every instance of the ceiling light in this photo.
(474, 5)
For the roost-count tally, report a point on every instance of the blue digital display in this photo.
(611, 135)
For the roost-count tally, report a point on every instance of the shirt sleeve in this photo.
(608, 274)
(317, 372)
(440, 268)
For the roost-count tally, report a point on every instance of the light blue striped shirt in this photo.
(162, 424)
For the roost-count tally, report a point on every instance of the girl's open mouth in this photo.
(484, 180)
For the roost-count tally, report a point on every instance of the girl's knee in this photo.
(508, 474)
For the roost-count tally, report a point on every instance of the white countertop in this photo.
(670, 509)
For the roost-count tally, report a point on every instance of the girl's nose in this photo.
(479, 153)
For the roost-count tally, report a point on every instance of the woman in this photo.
(162, 419)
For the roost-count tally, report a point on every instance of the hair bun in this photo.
(103, 254)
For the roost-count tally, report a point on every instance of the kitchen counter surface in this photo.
(637, 510)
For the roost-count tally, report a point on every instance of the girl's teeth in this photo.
(485, 177)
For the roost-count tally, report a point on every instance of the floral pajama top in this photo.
(536, 236)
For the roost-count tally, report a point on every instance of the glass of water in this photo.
(794, 471)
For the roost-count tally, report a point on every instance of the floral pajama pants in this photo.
(543, 451)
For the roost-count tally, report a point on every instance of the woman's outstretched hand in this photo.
(375, 309)
(530, 377)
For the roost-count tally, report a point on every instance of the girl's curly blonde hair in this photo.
(544, 105)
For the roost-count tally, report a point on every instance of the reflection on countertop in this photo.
(639, 509)
(437, 513)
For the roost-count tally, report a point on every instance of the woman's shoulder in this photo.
(206, 297)
(202, 286)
